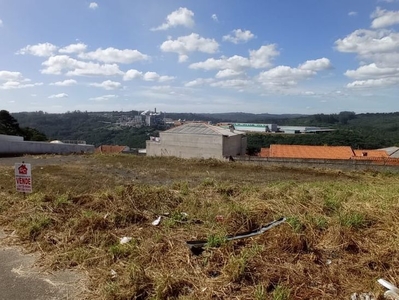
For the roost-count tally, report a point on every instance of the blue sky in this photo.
(260, 56)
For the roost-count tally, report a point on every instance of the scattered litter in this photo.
(196, 247)
(106, 216)
(363, 296)
(157, 221)
(185, 215)
(125, 239)
(113, 274)
(393, 291)
(328, 262)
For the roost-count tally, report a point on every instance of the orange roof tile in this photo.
(316, 152)
(370, 153)
(264, 152)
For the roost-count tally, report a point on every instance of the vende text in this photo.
(23, 180)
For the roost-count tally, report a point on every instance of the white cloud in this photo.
(373, 83)
(352, 13)
(42, 50)
(316, 65)
(384, 18)
(215, 18)
(112, 55)
(366, 43)
(227, 73)
(108, 85)
(132, 74)
(15, 80)
(284, 76)
(199, 82)
(67, 82)
(373, 71)
(258, 59)
(190, 43)
(10, 85)
(148, 76)
(239, 36)
(8, 75)
(103, 98)
(59, 63)
(93, 5)
(73, 48)
(1, 23)
(62, 95)
(232, 83)
(180, 17)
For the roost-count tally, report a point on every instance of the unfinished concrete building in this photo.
(198, 140)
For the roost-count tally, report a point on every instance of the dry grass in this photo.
(341, 234)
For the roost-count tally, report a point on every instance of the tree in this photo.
(8, 124)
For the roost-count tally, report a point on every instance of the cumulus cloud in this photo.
(93, 5)
(227, 73)
(373, 71)
(316, 65)
(58, 64)
(148, 76)
(231, 83)
(103, 98)
(61, 95)
(283, 76)
(14, 80)
(239, 36)
(180, 17)
(67, 82)
(384, 18)
(107, 85)
(112, 55)
(185, 44)
(199, 82)
(377, 51)
(215, 18)
(73, 48)
(8, 75)
(41, 49)
(258, 59)
(352, 13)
(373, 83)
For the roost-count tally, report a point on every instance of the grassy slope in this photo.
(340, 237)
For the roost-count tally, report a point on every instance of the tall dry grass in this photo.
(341, 233)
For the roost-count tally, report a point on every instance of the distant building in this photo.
(152, 118)
(198, 140)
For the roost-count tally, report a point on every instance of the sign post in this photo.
(23, 177)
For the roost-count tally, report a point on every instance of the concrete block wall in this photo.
(25, 147)
(233, 145)
(187, 146)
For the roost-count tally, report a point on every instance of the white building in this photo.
(198, 140)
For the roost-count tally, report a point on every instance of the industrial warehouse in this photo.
(198, 140)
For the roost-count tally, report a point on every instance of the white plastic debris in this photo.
(393, 291)
(328, 262)
(125, 239)
(157, 221)
(113, 274)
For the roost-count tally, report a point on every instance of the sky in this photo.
(208, 56)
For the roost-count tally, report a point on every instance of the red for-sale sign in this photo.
(23, 177)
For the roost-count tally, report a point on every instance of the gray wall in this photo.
(187, 146)
(233, 145)
(25, 147)
(4, 137)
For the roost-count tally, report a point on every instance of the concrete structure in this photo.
(251, 127)
(15, 145)
(302, 129)
(198, 140)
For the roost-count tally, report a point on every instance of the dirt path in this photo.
(21, 279)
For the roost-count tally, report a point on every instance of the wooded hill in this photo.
(365, 131)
